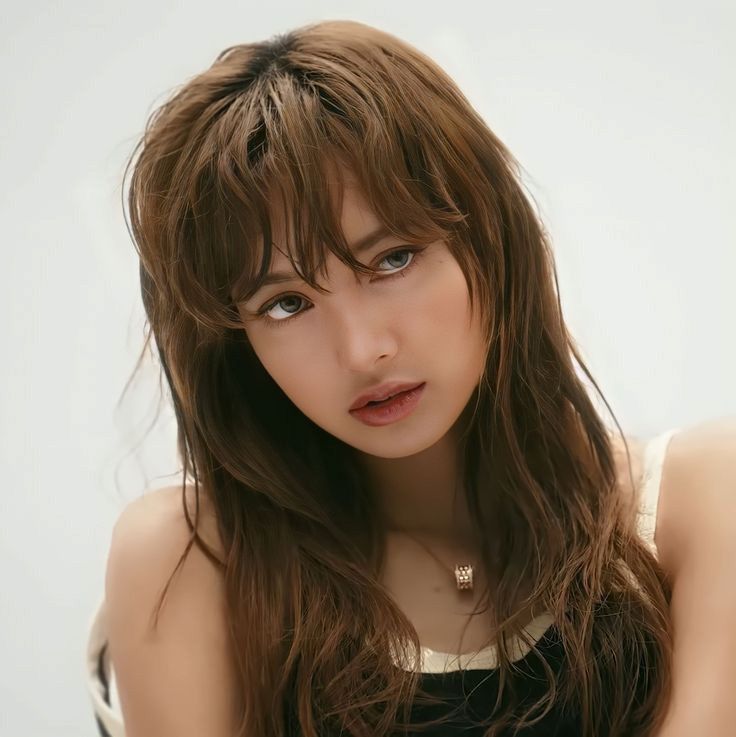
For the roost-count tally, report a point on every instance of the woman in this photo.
(403, 507)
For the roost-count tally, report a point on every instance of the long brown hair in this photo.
(313, 631)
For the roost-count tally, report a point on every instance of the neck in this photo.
(423, 494)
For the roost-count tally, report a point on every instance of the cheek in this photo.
(295, 368)
(456, 331)
(447, 306)
(276, 360)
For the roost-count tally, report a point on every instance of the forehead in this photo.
(352, 212)
(299, 230)
(292, 226)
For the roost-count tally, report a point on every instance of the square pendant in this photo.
(464, 577)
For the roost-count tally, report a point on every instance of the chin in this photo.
(405, 442)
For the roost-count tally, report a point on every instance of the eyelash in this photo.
(270, 322)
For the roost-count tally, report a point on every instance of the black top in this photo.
(468, 697)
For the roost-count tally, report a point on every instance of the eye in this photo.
(400, 251)
(272, 321)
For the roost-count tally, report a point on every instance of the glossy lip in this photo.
(393, 410)
(383, 391)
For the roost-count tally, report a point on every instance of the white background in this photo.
(622, 115)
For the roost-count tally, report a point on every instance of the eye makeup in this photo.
(261, 313)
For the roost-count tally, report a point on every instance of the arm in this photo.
(696, 540)
(180, 679)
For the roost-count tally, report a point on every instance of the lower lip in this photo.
(394, 409)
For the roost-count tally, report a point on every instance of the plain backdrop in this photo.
(622, 115)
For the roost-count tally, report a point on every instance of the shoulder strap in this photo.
(654, 455)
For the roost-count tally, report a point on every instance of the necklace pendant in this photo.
(464, 577)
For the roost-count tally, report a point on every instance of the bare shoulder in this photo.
(697, 499)
(160, 513)
(178, 678)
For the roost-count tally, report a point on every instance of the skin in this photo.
(369, 330)
(363, 334)
(416, 328)
(181, 680)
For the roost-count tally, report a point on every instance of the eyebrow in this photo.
(362, 244)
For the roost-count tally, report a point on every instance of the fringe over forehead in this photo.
(275, 126)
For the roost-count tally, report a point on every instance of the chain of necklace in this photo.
(463, 572)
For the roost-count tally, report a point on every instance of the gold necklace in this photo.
(463, 572)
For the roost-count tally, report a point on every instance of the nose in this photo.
(363, 334)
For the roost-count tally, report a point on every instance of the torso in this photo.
(424, 591)
(427, 594)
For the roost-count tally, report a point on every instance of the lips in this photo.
(384, 391)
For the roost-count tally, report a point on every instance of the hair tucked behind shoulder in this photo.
(310, 625)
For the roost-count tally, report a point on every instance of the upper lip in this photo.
(382, 391)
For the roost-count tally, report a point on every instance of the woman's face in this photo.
(412, 325)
